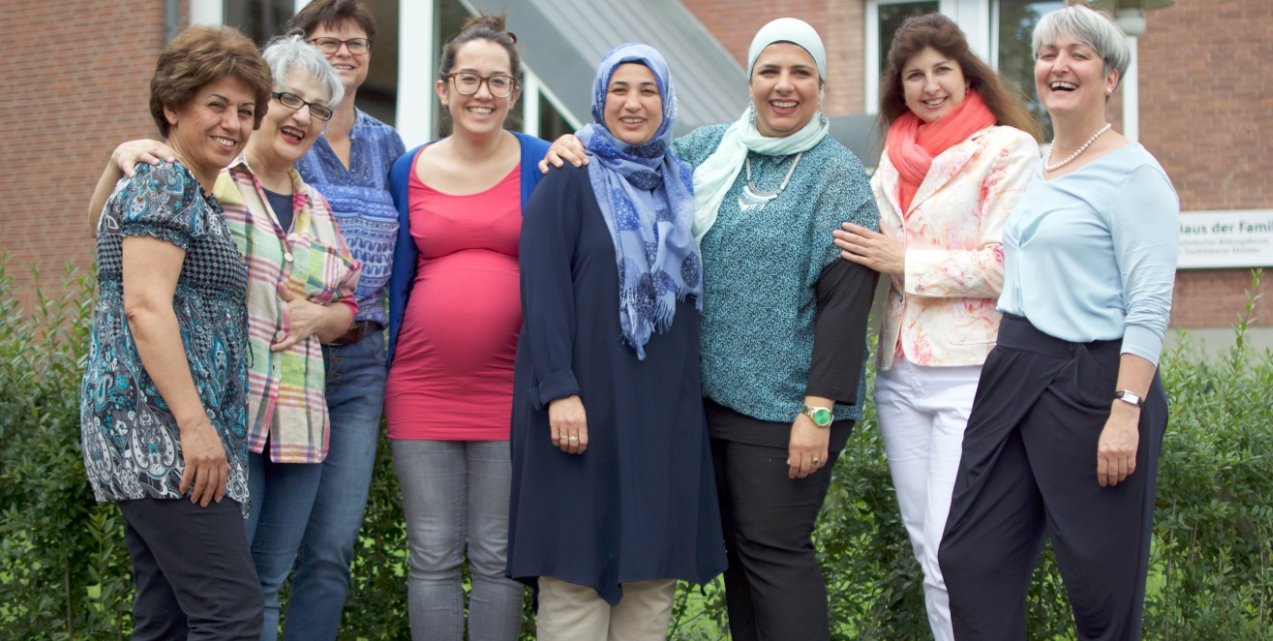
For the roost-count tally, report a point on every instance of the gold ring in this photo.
(817, 461)
(573, 439)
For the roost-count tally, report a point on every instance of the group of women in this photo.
(640, 367)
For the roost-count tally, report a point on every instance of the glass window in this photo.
(259, 20)
(551, 124)
(1014, 27)
(891, 16)
(451, 15)
(883, 17)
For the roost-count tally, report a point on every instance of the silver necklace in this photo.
(753, 198)
(1082, 148)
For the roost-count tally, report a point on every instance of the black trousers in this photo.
(1029, 469)
(774, 589)
(194, 574)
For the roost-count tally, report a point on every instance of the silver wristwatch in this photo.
(1130, 397)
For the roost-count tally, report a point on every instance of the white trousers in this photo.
(922, 414)
(569, 612)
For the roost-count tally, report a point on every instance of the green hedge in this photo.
(64, 572)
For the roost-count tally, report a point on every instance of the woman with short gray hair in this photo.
(1068, 420)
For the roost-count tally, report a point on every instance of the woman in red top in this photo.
(449, 395)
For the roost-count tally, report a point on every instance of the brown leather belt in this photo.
(359, 331)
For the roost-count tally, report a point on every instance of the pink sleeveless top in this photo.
(452, 373)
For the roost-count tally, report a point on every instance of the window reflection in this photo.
(1017, 19)
(891, 17)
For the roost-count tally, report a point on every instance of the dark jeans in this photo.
(773, 588)
(1029, 469)
(194, 575)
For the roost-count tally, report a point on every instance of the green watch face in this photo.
(821, 416)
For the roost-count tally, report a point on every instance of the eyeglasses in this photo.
(293, 101)
(356, 46)
(500, 84)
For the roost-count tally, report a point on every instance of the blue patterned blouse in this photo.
(359, 197)
(132, 446)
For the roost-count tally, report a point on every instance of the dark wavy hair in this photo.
(481, 27)
(943, 35)
(201, 55)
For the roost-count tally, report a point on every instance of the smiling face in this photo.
(481, 112)
(932, 84)
(210, 131)
(785, 89)
(634, 108)
(286, 134)
(352, 68)
(1070, 77)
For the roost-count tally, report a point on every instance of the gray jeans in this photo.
(455, 496)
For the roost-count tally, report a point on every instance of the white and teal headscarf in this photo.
(714, 177)
(645, 194)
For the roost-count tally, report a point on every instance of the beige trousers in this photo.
(569, 612)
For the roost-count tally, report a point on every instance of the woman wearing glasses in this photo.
(454, 319)
(300, 292)
(349, 164)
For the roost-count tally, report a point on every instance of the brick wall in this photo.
(839, 24)
(76, 86)
(1205, 112)
(79, 86)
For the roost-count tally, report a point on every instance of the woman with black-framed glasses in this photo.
(454, 319)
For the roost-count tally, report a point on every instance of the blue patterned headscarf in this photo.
(646, 195)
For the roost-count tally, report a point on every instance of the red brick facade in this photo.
(79, 85)
(1205, 112)
(839, 23)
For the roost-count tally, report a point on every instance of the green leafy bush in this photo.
(64, 572)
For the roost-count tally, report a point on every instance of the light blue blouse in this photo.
(1091, 255)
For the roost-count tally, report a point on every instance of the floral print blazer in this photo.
(941, 311)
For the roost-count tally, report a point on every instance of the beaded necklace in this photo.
(1082, 148)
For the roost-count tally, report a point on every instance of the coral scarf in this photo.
(912, 144)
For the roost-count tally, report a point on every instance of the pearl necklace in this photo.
(1082, 148)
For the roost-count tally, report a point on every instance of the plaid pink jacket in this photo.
(286, 404)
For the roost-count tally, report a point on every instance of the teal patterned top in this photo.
(132, 447)
(760, 269)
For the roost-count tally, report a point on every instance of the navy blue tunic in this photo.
(640, 503)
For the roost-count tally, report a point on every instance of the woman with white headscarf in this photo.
(784, 325)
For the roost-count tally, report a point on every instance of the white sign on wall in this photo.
(1211, 239)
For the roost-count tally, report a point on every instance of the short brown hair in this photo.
(329, 13)
(201, 55)
(943, 35)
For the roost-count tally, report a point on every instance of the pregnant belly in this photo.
(463, 317)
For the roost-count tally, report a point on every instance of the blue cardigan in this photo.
(404, 251)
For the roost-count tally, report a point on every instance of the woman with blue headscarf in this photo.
(613, 493)
(784, 325)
